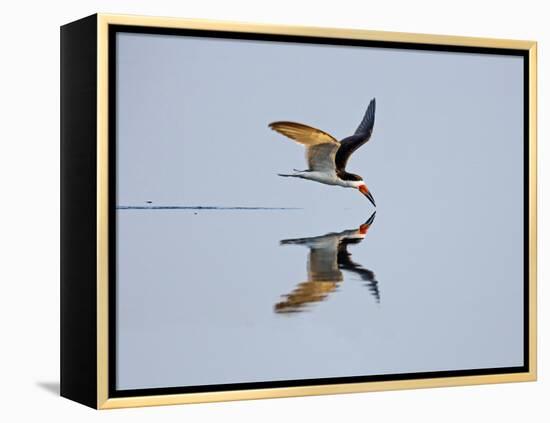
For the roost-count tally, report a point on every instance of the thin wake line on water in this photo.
(202, 208)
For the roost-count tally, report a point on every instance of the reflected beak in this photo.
(365, 226)
(370, 219)
(364, 190)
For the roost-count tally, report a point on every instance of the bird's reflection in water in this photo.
(328, 256)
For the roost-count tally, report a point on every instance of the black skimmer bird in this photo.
(328, 256)
(326, 156)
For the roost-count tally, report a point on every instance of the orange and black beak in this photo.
(365, 226)
(365, 191)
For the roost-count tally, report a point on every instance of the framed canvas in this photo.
(203, 259)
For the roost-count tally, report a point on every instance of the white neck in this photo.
(353, 184)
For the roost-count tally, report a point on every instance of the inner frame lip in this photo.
(114, 29)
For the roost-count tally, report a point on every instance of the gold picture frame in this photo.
(85, 374)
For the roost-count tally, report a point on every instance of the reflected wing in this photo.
(328, 255)
(321, 147)
(346, 263)
(323, 264)
(323, 273)
(304, 294)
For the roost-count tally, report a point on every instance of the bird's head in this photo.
(355, 181)
(362, 187)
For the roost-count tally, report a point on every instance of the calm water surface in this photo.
(211, 296)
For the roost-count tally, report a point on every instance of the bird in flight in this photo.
(326, 156)
(328, 256)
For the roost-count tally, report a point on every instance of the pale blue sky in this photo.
(193, 115)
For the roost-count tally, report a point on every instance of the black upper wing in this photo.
(362, 135)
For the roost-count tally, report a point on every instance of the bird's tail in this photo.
(297, 174)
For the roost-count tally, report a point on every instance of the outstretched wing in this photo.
(321, 147)
(366, 125)
(362, 135)
(321, 157)
(303, 134)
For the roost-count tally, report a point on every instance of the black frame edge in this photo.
(78, 113)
